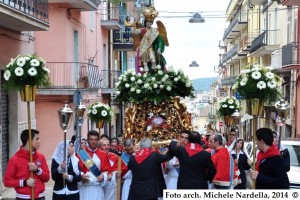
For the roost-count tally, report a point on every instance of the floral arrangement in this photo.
(155, 88)
(26, 70)
(258, 82)
(227, 106)
(98, 111)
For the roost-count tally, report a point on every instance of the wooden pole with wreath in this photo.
(25, 73)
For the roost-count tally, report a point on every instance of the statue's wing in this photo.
(162, 31)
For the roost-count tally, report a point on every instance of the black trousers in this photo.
(41, 198)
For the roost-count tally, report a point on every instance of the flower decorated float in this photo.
(227, 106)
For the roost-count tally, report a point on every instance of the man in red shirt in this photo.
(19, 168)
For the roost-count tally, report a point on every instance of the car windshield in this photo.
(294, 151)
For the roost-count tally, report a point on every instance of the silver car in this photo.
(293, 147)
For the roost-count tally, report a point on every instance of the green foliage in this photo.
(98, 111)
(258, 82)
(227, 106)
(26, 70)
(158, 87)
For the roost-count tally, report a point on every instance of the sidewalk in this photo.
(10, 193)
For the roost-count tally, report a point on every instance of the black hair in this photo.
(104, 136)
(266, 135)
(25, 135)
(114, 139)
(73, 138)
(194, 137)
(232, 130)
(120, 135)
(185, 131)
(93, 133)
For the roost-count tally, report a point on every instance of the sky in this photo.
(193, 41)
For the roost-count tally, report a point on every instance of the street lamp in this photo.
(282, 107)
(197, 18)
(194, 64)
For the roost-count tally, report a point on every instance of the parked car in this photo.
(293, 147)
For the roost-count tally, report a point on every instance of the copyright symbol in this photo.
(295, 194)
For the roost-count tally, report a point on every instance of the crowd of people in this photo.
(90, 168)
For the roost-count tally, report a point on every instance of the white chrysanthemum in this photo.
(120, 78)
(230, 101)
(224, 106)
(138, 91)
(124, 79)
(132, 89)
(104, 113)
(141, 69)
(261, 85)
(27, 58)
(161, 86)
(32, 71)
(255, 68)
(94, 111)
(132, 79)
(89, 111)
(231, 107)
(146, 85)
(234, 86)
(117, 84)
(224, 99)
(166, 76)
(176, 79)
(145, 75)
(244, 81)
(272, 84)
(139, 81)
(160, 72)
(46, 70)
(169, 88)
(139, 74)
(21, 62)
(95, 106)
(35, 63)
(155, 85)
(188, 84)
(118, 92)
(127, 85)
(7, 75)
(19, 71)
(256, 75)
(133, 72)
(158, 67)
(153, 79)
(270, 75)
(163, 79)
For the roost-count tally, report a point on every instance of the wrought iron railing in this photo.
(265, 38)
(229, 80)
(239, 17)
(234, 50)
(122, 36)
(72, 75)
(34, 8)
(291, 54)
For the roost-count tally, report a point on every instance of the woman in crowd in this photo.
(66, 174)
(241, 159)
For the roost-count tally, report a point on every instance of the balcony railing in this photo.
(291, 54)
(110, 77)
(268, 40)
(234, 50)
(122, 39)
(237, 24)
(37, 9)
(73, 75)
(229, 80)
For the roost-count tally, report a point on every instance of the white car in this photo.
(293, 147)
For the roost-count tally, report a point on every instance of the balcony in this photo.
(290, 2)
(24, 15)
(265, 44)
(229, 80)
(291, 56)
(276, 60)
(258, 2)
(245, 45)
(83, 5)
(238, 23)
(228, 57)
(122, 40)
(111, 19)
(109, 79)
(66, 77)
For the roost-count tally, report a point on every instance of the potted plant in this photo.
(99, 113)
(227, 106)
(155, 88)
(258, 84)
(26, 71)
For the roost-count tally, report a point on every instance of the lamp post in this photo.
(197, 18)
(281, 107)
(194, 64)
(237, 120)
(80, 110)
